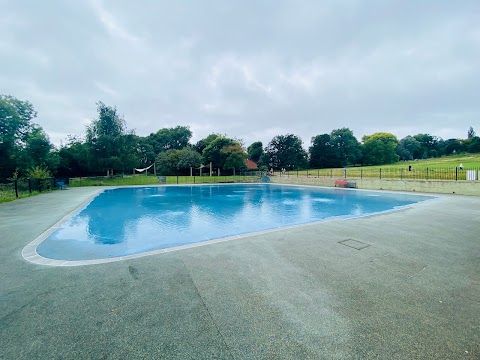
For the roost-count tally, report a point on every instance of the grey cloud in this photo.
(247, 69)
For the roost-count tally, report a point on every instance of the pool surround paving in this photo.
(297, 293)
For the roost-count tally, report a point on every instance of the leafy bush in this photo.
(39, 172)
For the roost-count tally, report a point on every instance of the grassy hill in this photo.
(442, 168)
(451, 161)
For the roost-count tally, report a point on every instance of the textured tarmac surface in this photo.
(413, 293)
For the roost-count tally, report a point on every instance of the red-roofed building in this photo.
(251, 165)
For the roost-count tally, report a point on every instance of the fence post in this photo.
(401, 173)
(331, 173)
(16, 188)
(318, 173)
(427, 174)
(456, 173)
(177, 179)
(380, 173)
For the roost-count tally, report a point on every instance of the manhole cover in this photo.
(354, 244)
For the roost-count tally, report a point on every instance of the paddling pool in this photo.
(125, 221)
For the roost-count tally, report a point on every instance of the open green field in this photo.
(452, 161)
(443, 168)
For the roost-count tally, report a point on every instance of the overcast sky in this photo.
(247, 69)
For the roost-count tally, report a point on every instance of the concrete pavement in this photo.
(300, 293)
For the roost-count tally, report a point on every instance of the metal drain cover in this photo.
(354, 244)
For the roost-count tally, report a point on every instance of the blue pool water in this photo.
(127, 221)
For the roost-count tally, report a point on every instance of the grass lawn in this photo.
(452, 161)
(7, 191)
(153, 180)
(8, 194)
(443, 168)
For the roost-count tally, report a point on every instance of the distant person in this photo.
(271, 171)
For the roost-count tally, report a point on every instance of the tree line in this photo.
(109, 148)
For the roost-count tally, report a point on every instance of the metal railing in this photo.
(125, 180)
(407, 173)
(18, 188)
(24, 187)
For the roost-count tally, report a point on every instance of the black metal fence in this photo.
(23, 187)
(412, 173)
(125, 180)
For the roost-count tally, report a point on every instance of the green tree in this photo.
(177, 162)
(347, 148)
(234, 157)
(166, 162)
(474, 145)
(203, 143)
(470, 133)
(379, 148)
(37, 149)
(129, 152)
(285, 151)
(428, 146)
(213, 152)
(73, 158)
(107, 142)
(408, 148)
(188, 158)
(39, 172)
(145, 152)
(255, 151)
(453, 146)
(170, 139)
(322, 152)
(15, 126)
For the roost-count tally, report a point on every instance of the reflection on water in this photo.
(126, 221)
